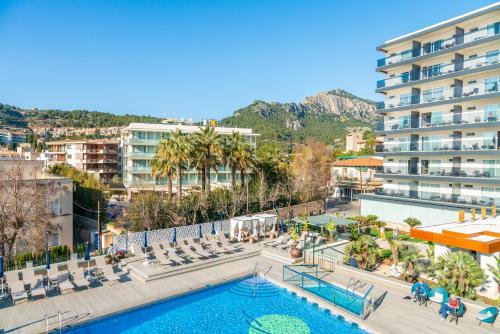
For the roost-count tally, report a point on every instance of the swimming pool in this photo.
(236, 307)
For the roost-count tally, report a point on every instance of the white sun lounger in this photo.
(109, 274)
(160, 254)
(188, 251)
(198, 248)
(79, 279)
(17, 291)
(172, 254)
(288, 244)
(226, 242)
(37, 288)
(12, 276)
(215, 244)
(63, 282)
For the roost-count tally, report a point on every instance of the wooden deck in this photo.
(394, 315)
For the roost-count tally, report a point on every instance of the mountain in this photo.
(11, 116)
(324, 116)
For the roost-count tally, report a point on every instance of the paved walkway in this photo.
(394, 315)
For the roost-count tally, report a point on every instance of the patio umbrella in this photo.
(87, 256)
(47, 266)
(1, 273)
(282, 227)
(213, 228)
(199, 232)
(145, 239)
(174, 236)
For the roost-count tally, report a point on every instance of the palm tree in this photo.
(246, 161)
(409, 254)
(233, 148)
(496, 271)
(458, 272)
(412, 222)
(162, 164)
(208, 153)
(365, 250)
(180, 146)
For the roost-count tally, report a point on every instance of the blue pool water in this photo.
(230, 308)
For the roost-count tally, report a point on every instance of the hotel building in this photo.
(139, 141)
(100, 157)
(440, 120)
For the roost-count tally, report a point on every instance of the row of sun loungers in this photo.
(74, 279)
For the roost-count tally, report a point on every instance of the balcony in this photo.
(441, 145)
(140, 155)
(462, 171)
(439, 120)
(139, 170)
(439, 197)
(143, 141)
(440, 70)
(443, 44)
(439, 96)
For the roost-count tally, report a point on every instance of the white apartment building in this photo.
(440, 120)
(139, 141)
(100, 157)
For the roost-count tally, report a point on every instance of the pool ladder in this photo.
(59, 318)
(263, 271)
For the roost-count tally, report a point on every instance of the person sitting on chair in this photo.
(451, 307)
(419, 293)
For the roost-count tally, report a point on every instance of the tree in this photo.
(311, 170)
(365, 250)
(207, 154)
(163, 164)
(495, 270)
(409, 254)
(458, 272)
(25, 208)
(151, 211)
(413, 222)
(232, 154)
(179, 146)
(228, 200)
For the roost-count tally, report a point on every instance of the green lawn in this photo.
(389, 235)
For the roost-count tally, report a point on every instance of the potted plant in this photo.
(295, 252)
(331, 229)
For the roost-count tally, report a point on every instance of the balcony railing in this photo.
(465, 144)
(427, 48)
(439, 120)
(439, 197)
(439, 95)
(439, 70)
(476, 171)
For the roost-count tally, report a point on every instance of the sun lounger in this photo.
(12, 276)
(72, 266)
(37, 288)
(274, 241)
(226, 243)
(160, 254)
(54, 271)
(215, 245)
(63, 282)
(198, 248)
(17, 291)
(109, 274)
(79, 279)
(288, 244)
(189, 253)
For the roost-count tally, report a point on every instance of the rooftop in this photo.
(440, 25)
(481, 235)
(360, 162)
(183, 128)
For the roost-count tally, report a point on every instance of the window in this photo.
(492, 57)
(405, 54)
(53, 239)
(435, 167)
(436, 118)
(403, 166)
(55, 207)
(491, 84)
(404, 99)
(433, 70)
(425, 191)
(431, 95)
(405, 77)
(404, 122)
(491, 112)
(493, 29)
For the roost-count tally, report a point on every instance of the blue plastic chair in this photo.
(438, 290)
(423, 299)
(458, 313)
(488, 315)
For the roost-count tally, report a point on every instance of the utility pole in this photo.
(99, 227)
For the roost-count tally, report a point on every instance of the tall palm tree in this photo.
(180, 146)
(162, 164)
(246, 160)
(232, 148)
(208, 153)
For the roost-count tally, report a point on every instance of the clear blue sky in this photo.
(199, 59)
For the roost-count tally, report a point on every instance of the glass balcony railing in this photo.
(143, 141)
(480, 171)
(137, 170)
(436, 196)
(435, 145)
(427, 48)
(440, 70)
(439, 119)
(440, 94)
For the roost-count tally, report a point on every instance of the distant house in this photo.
(11, 138)
(355, 176)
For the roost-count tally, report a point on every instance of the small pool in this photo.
(253, 306)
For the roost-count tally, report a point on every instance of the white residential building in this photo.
(440, 120)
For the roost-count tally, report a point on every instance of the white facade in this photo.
(440, 120)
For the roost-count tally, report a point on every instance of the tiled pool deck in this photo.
(394, 315)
